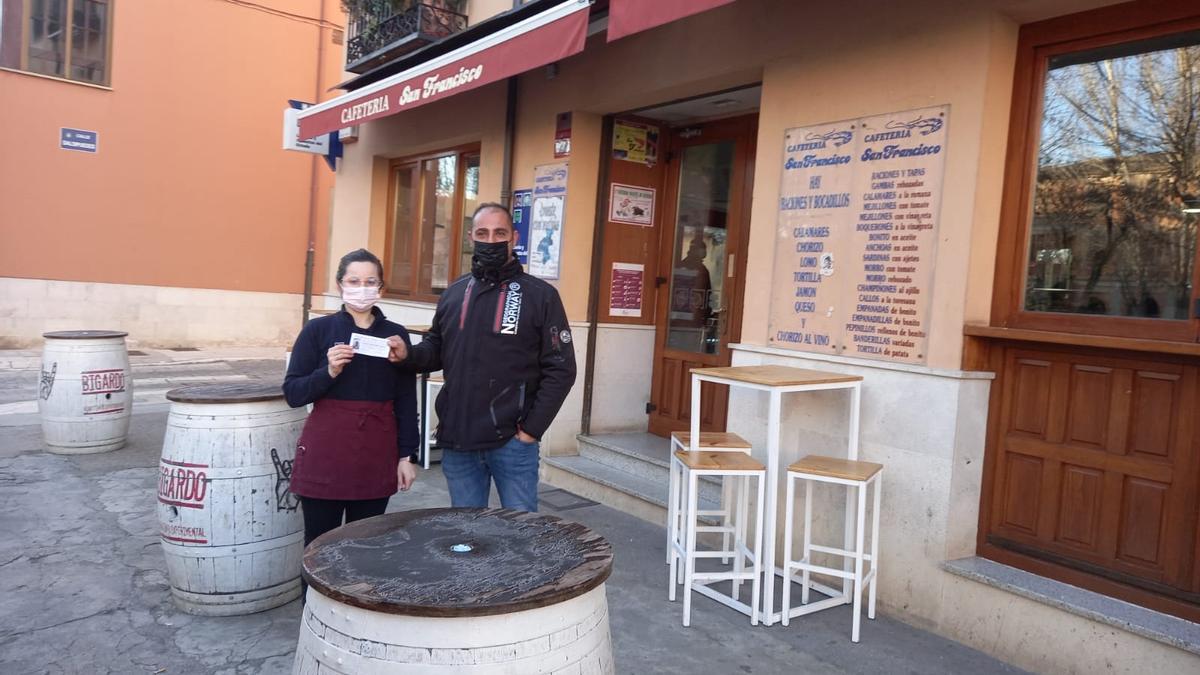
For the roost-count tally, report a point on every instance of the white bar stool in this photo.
(714, 441)
(726, 456)
(433, 384)
(853, 474)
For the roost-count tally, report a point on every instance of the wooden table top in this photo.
(240, 392)
(84, 334)
(457, 562)
(419, 330)
(777, 376)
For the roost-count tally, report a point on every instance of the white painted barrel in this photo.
(464, 591)
(231, 532)
(569, 637)
(85, 392)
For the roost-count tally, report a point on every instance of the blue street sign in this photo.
(78, 140)
(335, 143)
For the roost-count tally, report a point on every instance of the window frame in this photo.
(26, 13)
(1037, 45)
(418, 293)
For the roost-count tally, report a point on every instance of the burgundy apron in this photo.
(347, 450)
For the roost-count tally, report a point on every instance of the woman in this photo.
(359, 441)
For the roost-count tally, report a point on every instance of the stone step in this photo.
(642, 455)
(645, 498)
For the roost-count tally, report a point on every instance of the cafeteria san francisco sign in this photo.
(859, 208)
(550, 36)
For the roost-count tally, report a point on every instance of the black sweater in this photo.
(364, 378)
(505, 345)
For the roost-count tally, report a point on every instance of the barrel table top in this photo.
(457, 562)
(84, 334)
(239, 392)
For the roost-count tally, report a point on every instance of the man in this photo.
(503, 341)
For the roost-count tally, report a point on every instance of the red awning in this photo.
(626, 17)
(544, 38)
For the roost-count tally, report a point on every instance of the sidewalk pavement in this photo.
(84, 589)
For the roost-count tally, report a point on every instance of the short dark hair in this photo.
(494, 206)
(359, 255)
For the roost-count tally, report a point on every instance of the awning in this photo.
(626, 17)
(544, 38)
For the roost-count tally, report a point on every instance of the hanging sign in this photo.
(631, 204)
(859, 209)
(548, 212)
(562, 135)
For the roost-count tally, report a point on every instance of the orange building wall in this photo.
(190, 186)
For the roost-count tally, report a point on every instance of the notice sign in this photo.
(631, 205)
(78, 140)
(635, 142)
(547, 213)
(625, 296)
(522, 201)
(858, 214)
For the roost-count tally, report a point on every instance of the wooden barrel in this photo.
(84, 392)
(232, 533)
(456, 591)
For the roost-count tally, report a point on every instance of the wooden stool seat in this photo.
(718, 461)
(711, 439)
(832, 467)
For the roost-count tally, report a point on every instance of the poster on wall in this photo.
(625, 296)
(631, 204)
(522, 200)
(635, 142)
(859, 208)
(547, 214)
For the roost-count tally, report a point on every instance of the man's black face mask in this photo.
(491, 255)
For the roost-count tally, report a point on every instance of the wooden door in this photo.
(706, 211)
(1095, 466)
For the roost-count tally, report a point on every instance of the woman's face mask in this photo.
(360, 298)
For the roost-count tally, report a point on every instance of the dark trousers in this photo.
(323, 515)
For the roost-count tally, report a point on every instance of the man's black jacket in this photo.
(503, 342)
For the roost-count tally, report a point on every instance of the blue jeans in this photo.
(514, 467)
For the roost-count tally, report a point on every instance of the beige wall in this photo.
(481, 10)
(873, 79)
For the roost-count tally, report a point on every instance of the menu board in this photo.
(858, 214)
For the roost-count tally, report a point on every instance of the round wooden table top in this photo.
(457, 562)
(84, 334)
(241, 392)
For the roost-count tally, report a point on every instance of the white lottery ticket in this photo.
(369, 345)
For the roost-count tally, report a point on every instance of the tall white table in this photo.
(777, 381)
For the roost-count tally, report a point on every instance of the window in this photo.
(1108, 225)
(62, 38)
(432, 198)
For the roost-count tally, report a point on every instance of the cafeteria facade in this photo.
(986, 210)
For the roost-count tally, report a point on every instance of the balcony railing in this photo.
(392, 29)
